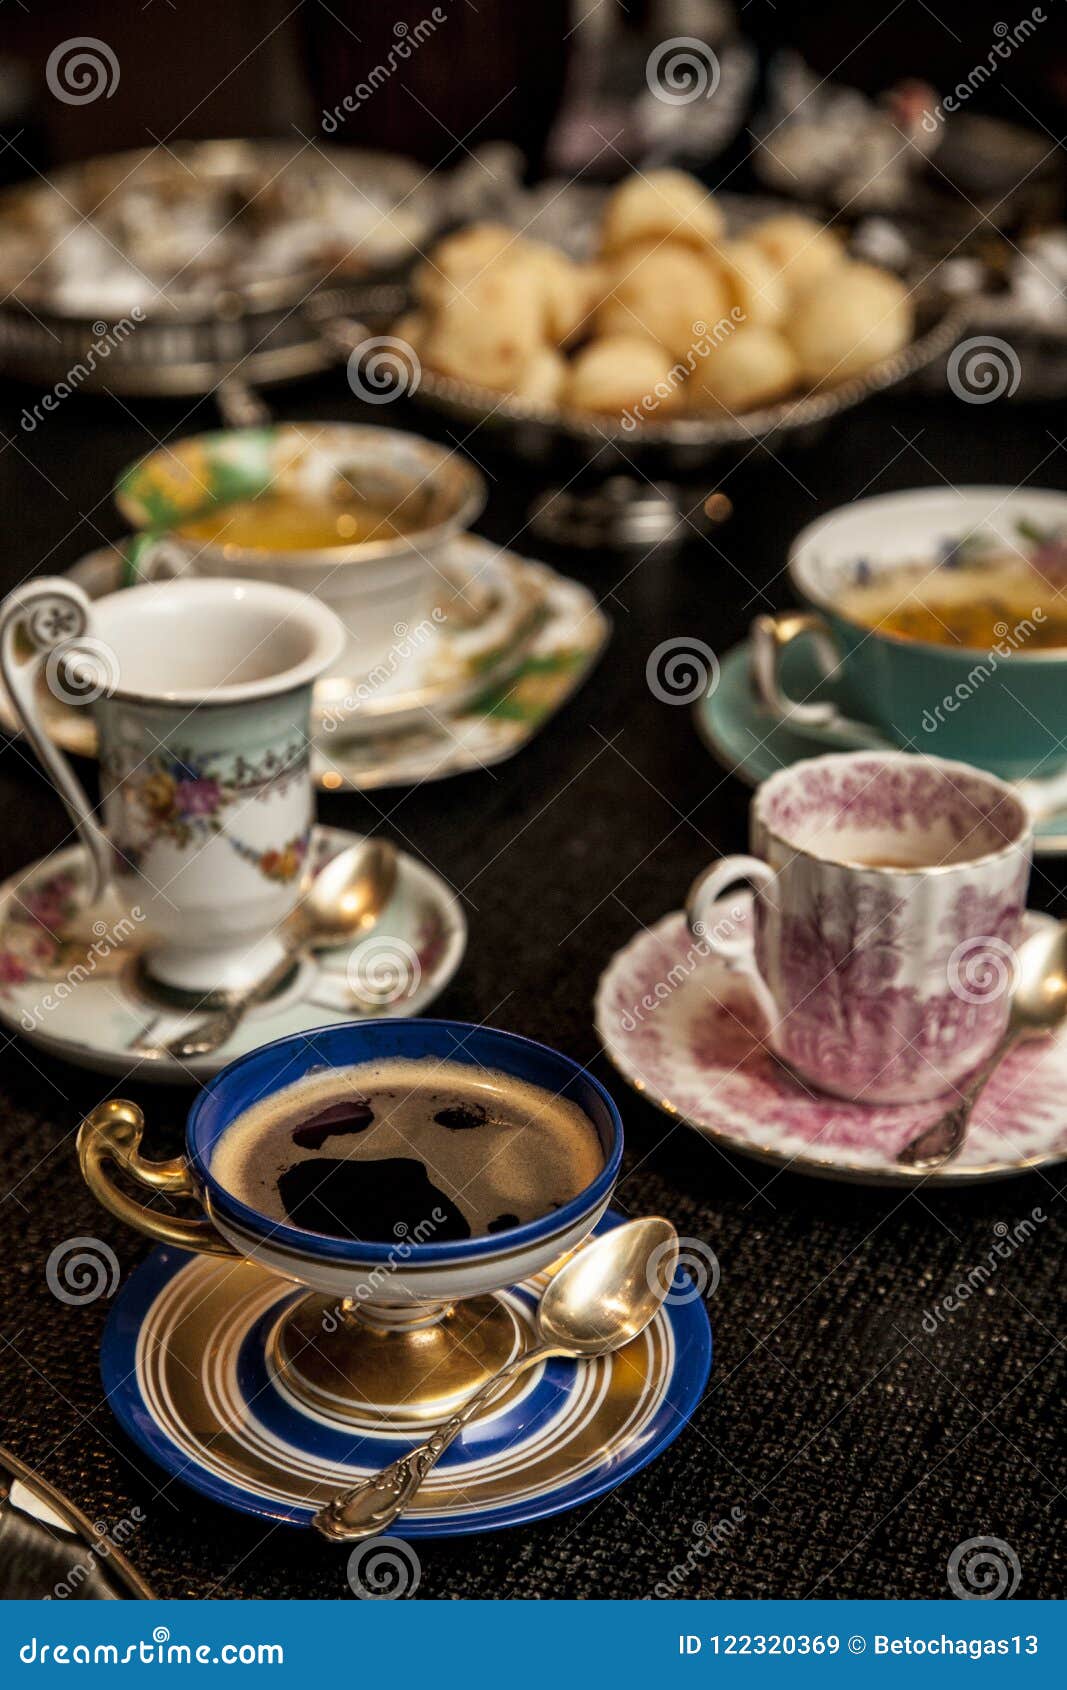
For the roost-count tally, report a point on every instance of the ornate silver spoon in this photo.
(603, 1296)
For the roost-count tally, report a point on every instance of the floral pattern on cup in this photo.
(180, 796)
(895, 795)
(282, 864)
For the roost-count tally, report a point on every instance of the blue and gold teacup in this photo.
(1002, 708)
(400, 1332)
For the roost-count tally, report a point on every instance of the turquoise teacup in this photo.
(1003, 709)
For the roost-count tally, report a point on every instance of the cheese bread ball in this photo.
(414, 327)
(543, 377)
(756, 289)
(855, 316)
(622, 373)
(567, 289)
(459, 258)
(489, 332)
(656, 204)
(668, 292)
(752, 366)
(801, 251)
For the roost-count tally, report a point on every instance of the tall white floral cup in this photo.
(202, 696)
(889, 896)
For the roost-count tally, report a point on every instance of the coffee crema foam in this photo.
(420, 1149)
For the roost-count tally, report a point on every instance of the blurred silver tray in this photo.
(272, 328)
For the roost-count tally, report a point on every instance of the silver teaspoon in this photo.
(345, 899)
(604, 1295)
(1038, 1006)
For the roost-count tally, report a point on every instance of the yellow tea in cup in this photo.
(992, 601)
(293, 522)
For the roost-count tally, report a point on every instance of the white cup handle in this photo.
(770, 637)
(708, 887)
(52, 615)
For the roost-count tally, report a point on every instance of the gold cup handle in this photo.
(771, 635)
(111, 1136)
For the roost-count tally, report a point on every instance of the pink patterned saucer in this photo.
(683, 1027)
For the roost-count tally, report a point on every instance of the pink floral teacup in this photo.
(889, 894)
(202, 696)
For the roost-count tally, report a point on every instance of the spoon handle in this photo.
(215, 1029)
(938, 1144)
(371, 1506)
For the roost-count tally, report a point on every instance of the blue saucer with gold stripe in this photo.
(184, 1364)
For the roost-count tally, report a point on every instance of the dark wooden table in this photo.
(852, 1450)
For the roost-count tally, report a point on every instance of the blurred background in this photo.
(933, 131)
(563, 82)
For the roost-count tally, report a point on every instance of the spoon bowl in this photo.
(347, 895)
(610, 1289)
(1038, 1007)
(1039, 1002)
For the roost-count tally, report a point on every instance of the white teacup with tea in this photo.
(361, 517)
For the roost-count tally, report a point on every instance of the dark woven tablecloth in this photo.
(852, 1451)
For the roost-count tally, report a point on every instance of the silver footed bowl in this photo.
(683, 444)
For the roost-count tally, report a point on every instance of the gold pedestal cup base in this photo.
(332, 1360)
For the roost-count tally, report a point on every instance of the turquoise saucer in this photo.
(741, 733)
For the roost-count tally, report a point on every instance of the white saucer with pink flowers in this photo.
(683, 1027)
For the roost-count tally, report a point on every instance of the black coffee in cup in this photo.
(422, 1150)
